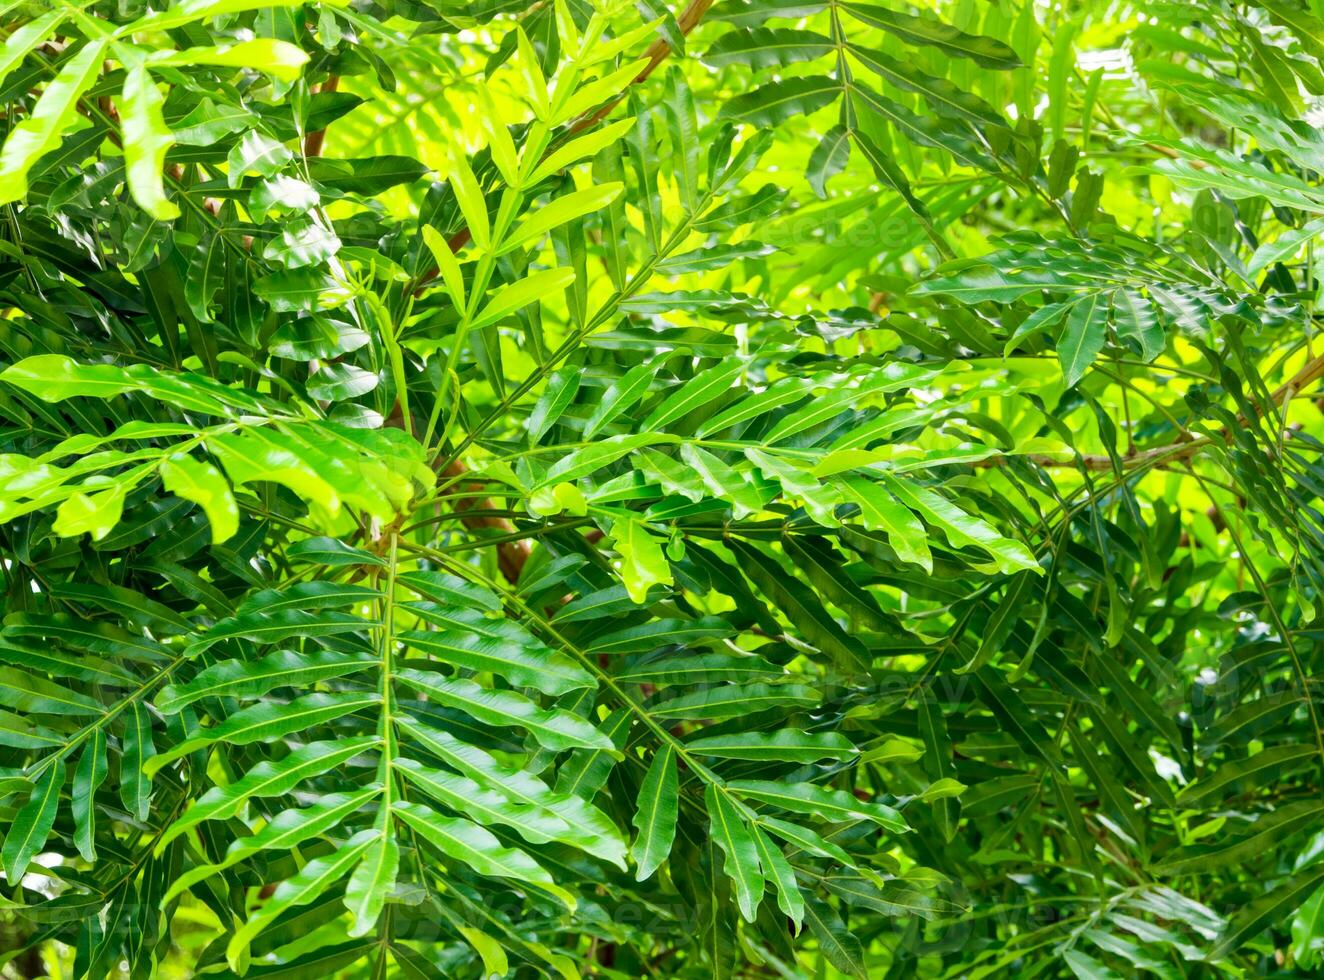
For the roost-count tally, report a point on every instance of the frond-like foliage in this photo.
(589, 489)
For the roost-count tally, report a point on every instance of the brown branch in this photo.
(1102, 461)
(313, 142)
(1310, 372)
(656, 54)
(511, 555)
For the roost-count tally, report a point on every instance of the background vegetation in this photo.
(760, 488)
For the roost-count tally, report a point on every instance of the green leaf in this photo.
(593, 457)
(700, 667)
(556, 398)
(314, 878)
(1083, 337)
(96, 513)
(642, 563)
(786, 745)
(1140, 704)
(820, 501)
(277, 626)
(256, 154)
(469, 196)
(703, 388)
(314, 337)
(267, 779)
(301, 290)
(882, 163)
(31, 826)
(728, 829)
(309, 596)
(518, 295)
(89, 775)
(779, 873)
(1000, 624)
(275, 57)
(1235, 773)
(882, 511)
(726, 217)
(203, 484)
(29, 693)
(592, 830)
(472, 845)
(786, 391)
(188, 11)
(495, 961)
(829, 158)
(894, 897)
(736, 700)
(891, 377)
(27, 37)
(372, 881)
(960, 527)
(938, 756)
(940, 94)
(929, 31)
(146, 140)
(536, 439)
(721, 480)
(1040, 321)
(54, 377)
(1013, 715)
(577, 149)
(1308, 929)
(447, 265)
(485, 806)
(799, 605)
(339, 382)
(1266, 834)
(841, 948)
(246, 680)
(302, 242)
(286, 830)
(472, 641)
(559, 211)
(330, 552)
(805, 839)
(1250, 718)
(1308, 29)
(772, 104)
(1135, 320)
(59, 663)
(982, 284)
(661, 632)
(767, 47)
(135, 787)
(553, 728)
(264, 722)
(655, 817)
(209, 122)
(365, 175)
(620, 395)
(1086, 967)
(53, 114)
(585, 772)
(1272, 907)
(830, 804)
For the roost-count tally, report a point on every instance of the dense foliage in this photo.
(586, 488)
